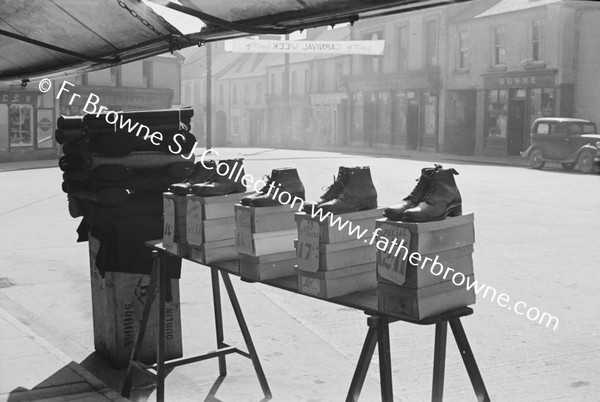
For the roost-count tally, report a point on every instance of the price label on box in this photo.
(194, 222)
(307, 251)
(169, 224)
(391, 262)
(243, 231)
(310, 286)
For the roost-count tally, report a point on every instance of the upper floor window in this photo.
(273, 83)
(431, 43)
(294, 89)
(307, 86)
(234, 99)
(115, 76)
(537, 40)
(259, 92)
(147, 73)
(246, 94)
(373, 64)
(320, 76)
(339, 73)
(499, 46)
(402, 62)
(463, 50)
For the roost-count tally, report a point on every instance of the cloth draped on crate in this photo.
(122, 247)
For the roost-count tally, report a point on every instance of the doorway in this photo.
(412, 124)
(516, 122)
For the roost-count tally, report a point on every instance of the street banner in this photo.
(366, 47)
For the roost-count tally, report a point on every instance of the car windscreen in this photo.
(589, 128)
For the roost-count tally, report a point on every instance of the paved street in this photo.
(537, 236)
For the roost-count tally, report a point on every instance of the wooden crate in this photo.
(417, 304)
(269, 266)
(117, 307)
(265, 219)
(329, 257)
(328, 284)
(207, 253)
(174, 224)
(258, 244)
(328, 233)
(450, 241)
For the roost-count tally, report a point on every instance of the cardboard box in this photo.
(364, 220)
(269, 266)
(117, 306)
(450, 241)
(417, 304)
(207, 253)
(174, 223)
(329, 284)
(329, 257)
(257, 244)
(265, 219)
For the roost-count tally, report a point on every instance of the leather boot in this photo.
(396, 212)
(343, 176)
(358, 194)
(283, 183)
(226, 179)
(442, 199)
(200, 174)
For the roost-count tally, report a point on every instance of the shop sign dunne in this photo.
(17, 98)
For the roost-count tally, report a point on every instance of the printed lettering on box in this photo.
(308, 245)
(393, 251)
(310, 286)
(194, 222)
(169, 224)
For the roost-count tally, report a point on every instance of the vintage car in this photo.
(570, 142)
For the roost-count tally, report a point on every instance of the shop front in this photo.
(26, 126)
(399, 110)
(328, 118)
(512, 102)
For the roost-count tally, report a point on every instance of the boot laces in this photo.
(267, 179)
(332, 189)
(430, 192)
(420, 189)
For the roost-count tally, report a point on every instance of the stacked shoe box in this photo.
(174, 224)
(211, 227)
(114, 180)
(332, 261)
(414, 281)
(264, 238)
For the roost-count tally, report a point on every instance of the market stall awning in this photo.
(43, 38)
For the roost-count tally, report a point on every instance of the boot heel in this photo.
(455, 211)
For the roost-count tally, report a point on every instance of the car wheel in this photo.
(568, 166)
(585, 161)
(535, 159)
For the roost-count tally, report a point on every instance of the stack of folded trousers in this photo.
(114, 177)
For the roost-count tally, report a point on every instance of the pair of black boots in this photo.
(435, 197)
(351, 191)
(212, 178)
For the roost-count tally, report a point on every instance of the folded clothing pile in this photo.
(115, 174)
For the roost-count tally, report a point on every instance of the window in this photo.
(320, 77)
(20, 125)
(147, 73)
(431, 43)
(372, 64)
(581, 128)
(307, 86)
(246, 94)
(294, 89)
(273, 83)
(402, 63)
(115, 76)
(497, 113)
(499, 46)
(259, 92)
(463, 50)
(234, 94)
(339, 73)
(537, 41)
(543, 128)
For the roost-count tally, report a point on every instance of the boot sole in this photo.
(453, 211)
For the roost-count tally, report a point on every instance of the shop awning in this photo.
(44, 38)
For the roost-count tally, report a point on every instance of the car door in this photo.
(557, 142)
(540, 137)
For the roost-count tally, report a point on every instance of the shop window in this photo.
(147, 73)
(537, 41)
(431, 43)
(499, 53)
(463, 50)
(430, 114)
(339, 73)
(20, 125)
(402, 61)
(372, 64)
(400, 115)
(115, 76)
(236, 125)
(541, 102)
(497, 113)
